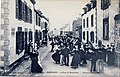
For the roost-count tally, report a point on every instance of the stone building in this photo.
(20, 23)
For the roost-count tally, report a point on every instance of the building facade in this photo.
(89, 22)
(18, 27)
(105, 23)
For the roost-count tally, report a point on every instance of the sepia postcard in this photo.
(60, 38)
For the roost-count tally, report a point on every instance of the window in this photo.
(83, 23)
(119, 31)
(39, 20)
(118, 46)
(40, 35)
(87, 22)
(92, 20)
(26, 13)
(105, 4)
(106, 28)
(88, 7)
(23, 12)
(84, 35)
(30, 36)
(92, 37)
(36, 36)
(19, 41)
(18, 9)
(87, 36)
(30, 16)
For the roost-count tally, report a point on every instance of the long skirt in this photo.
(56, 57)
(75, 60)
(35, 67)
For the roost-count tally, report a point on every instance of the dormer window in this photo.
(105, 4)
(93, 3)
(85, 10)
(33, 2)
(88, 7)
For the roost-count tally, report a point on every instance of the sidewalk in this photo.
(24, 67)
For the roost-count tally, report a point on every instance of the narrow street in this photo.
(55, 70)
(50, 69)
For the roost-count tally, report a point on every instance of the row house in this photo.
(105, 23)
(20, 22)
(89, 22)
(38, 30)
(45, 28)
(41, 27)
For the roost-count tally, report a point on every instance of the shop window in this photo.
(106, 28)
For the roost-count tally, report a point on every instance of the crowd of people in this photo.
(63, 47)
(82, 52)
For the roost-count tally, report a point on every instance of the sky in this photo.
(61, 12)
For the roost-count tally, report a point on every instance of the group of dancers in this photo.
(81, 52)
(66, 47)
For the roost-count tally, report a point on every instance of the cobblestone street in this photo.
(50, 69)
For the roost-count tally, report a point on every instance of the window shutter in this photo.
(30, 16)
(17, 9)
(101, 4)
(20, 9)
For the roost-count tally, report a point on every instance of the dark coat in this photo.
(35, 67)
(65, 51)
(56, 56)
(75, 59)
